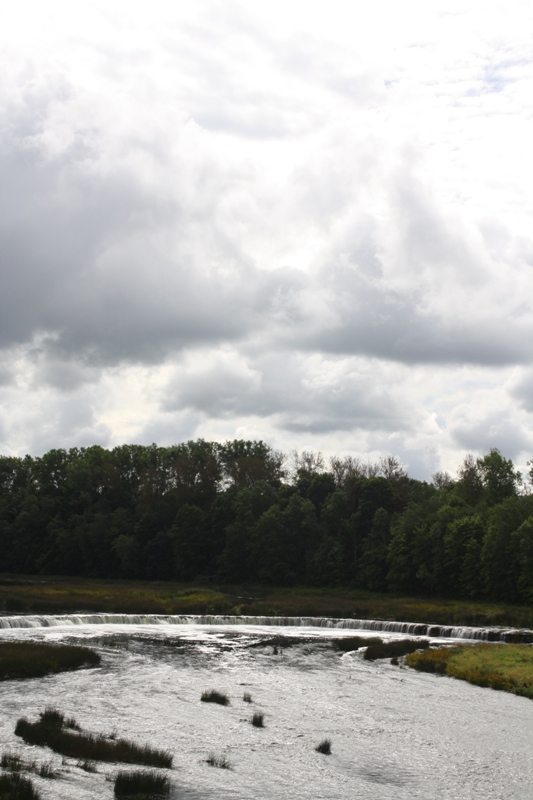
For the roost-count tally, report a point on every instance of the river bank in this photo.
(39, 594)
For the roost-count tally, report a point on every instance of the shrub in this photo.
(89, 747)
(247, 697)
(432, 660)
(355, 642)
(212, 696)
(396, 648)
(324, 747)
(16, 787)
(37, 659)
(218, 761)
(258, 720)
(135, 784)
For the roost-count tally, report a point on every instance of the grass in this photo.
(258, 720)
(506, 667)
(218, 761)
(87, 766)
(141, 784)
(348, 643)
(36, 659)
(51, 594)
(212, 696)
(394, 649)
(50, 732)
(324, 747)
(13, 763)
(14, 786)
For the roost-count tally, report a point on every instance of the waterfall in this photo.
(406, 628)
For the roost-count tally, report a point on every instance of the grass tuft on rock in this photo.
(141, 784)
(324, 747)
(396, 648)
(212, 696)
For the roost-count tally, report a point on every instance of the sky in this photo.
(303, 222)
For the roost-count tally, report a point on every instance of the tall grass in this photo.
(218, 761)
(141, 784)
(50, 732)
(324, 747)
(212, 696)
(506, 667)
(14, 763)
(62, 595)
(14, 786)
(37, 659)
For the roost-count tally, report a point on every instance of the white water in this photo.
(406, 628)
(395, 733)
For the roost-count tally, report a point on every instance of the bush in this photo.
(258, 720)
(139, 784)
(217, 761)
(247, 697)
(212, 696)
(396, 648)
(432, 660)
(88, 747)
(324, 747)
(355, 642)
(37, 659)
(16, 787)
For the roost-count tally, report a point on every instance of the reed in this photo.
(212, 696)
(14, 763)
(141, 784)
(88, 747)
(324, 747)
(20, 660)
(14, 786)
(218, 761)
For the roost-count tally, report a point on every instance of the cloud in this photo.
(212, 223)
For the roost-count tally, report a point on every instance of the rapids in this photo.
(395, 733)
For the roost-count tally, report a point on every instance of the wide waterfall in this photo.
(406, 628)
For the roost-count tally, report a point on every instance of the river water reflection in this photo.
(395, 733)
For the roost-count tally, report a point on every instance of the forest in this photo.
(241, 512)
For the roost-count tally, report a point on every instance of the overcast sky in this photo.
(303, 222)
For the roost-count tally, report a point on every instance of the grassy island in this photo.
(37, 659)
(507, 667)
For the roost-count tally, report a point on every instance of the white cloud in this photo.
(306, 223)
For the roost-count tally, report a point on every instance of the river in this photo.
(394, 733)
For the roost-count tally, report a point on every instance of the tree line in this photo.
(241, 512)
